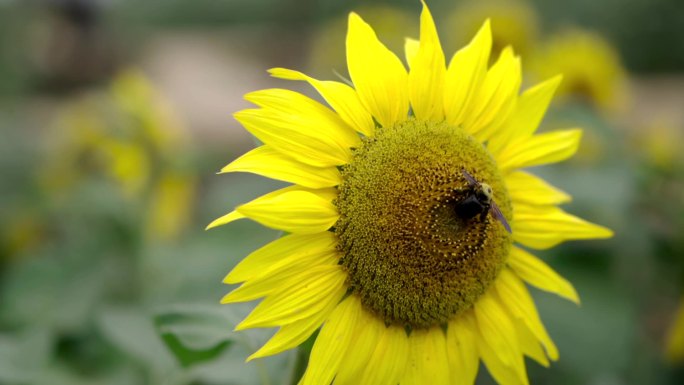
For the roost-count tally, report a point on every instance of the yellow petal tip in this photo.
(564, 197)
(258, 354)
(426, 8)
(276, 71)
(572, 296)
(230, 217)
(287, 74)
(601, 232)
(240, 115)
(241, 326)
(508, 51)
(355, 21)
(554, 358)
(607, 233)
(230, 280)
(226, 299)
(556, 79)
(250, 358)
(485, 30)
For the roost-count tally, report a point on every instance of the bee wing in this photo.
(499, 216)
(469, 177)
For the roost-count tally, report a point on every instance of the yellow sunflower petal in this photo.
(539, 149)
(509, 373)
(426, 78)
(261, 260)
(497, 330)
(293, 334)
(537, 273)
(329, 194)
(306, 111)
(378, 75)
(301, 299)
(281, 274)
(515, 297)
(529, 344)
(267, 161)
(410, 50)
(333, 342)
(529, 189)
(230, 217)
(367, 336)
(325, 193)
(294, 211)
(299, 127)
(462, 350)
(465, 74)
(428, 363)
(529, 111)
(387, 364)
(341, 97)
(542, 227)
(235, 215)
(502, 373)
(496, 97)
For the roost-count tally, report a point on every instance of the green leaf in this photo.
(133, 332)
(196, 333)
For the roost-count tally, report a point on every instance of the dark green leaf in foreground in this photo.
(195, 333)
(132, 332)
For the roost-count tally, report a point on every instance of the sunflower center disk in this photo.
(412, 255)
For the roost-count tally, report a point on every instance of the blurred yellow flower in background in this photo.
(515, 20)
(591, 68)
(660, 144)
(674, 349)
(170, 205)
(26, 231)
(131, 137)
(403, 258)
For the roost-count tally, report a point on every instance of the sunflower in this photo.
(393, 249)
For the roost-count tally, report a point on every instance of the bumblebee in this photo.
(479, 201)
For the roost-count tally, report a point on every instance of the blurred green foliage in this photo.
(88, 295)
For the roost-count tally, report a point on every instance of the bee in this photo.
(479, 201)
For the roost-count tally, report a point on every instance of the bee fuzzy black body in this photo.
(474, 204)
(479, 201)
